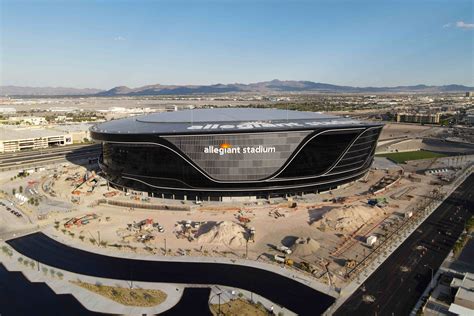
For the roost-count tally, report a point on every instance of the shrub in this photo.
(45, 270)
(20, 259)
(60, 274)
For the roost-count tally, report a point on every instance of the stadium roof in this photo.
(221, 120)
(220, 115)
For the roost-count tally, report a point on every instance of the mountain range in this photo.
(45, 91)
(266, 87)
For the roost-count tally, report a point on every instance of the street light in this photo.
(219, 295)
(431, 282)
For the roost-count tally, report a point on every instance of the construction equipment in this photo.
(350, 264)
(78, 221)
(305, 266)
(252, 234)
(285, 249)
(279, 258)
(243, 219)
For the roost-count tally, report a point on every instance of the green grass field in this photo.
(411, 155)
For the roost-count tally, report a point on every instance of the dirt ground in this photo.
(239, 307)
(274, 222)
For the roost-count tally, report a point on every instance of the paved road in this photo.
(279, 289)
(38, 158)
(395, 291)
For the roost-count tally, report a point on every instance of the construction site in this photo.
(325, 236)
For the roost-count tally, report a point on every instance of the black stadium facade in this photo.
(213, 153)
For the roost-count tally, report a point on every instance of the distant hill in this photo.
(274, 86)
(45, 91)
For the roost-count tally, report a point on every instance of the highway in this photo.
(286, 292)
(44, 156)
(395, 287)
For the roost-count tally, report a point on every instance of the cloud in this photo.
(460, 25)
(119, 38)
(465, 26)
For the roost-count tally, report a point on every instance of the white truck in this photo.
(279, 258)
(285, 249)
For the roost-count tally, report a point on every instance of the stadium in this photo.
(210, 154)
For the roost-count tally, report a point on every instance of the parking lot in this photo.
(10, 215)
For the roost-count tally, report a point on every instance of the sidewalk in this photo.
(90, 300)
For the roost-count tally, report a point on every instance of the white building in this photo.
(14, 139)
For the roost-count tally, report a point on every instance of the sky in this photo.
(103, 44)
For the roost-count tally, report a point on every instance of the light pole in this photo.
(219, 295)
(219, 308)
(431, 282)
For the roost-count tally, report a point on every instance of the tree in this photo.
(45, 270)
(20, 189)
(13, 191)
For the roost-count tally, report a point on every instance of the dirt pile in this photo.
(305, 246)
(227, 233)
(347, 219)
